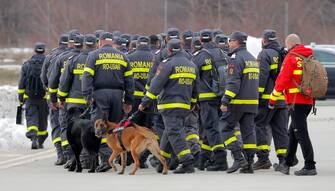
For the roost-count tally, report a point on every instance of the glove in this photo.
(271, 104)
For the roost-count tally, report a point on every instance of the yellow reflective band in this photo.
(206, 147)
(273, 66)
(147, 87)
(32, 128)
(164, 154)
(146, 70)
(183, 75)
(64, 143)
(275, 98)
(230, 140)
(184, 152)
(237, 133)
(192, 136)
(89, 70)
(263, 147)
(297, 72)
(261, 90)
(25, 96)
(193, 100)
(47, 97)
(138, 93)
(103, 140)
(173, 105)
(248, 70)
(128, 73)
(21, 91)
(206, 67)
(42, 132)
(249, 146)
(293, 90)
(77, 71)
(53, 90)
(63, 94)
(217, 146)
(244, 101)
(276, 93)
(157, 137)
(230, 93)
(150, 95)
(56, 140)
(62, 70)
(207, 95)
(75, 100)
(112, 61)
(281, 151)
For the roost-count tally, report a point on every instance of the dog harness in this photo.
(117, 131)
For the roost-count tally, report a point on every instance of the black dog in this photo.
(81, 135)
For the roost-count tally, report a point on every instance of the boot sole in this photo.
(263, 167)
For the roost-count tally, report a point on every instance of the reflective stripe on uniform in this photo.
(206, 67)
(230, 140)
(147, 87)
(297, 72)
(184, 152)
(31, 128)
(249, 146)
(75, 100)
(207, 95)
(192, 136)
(112, 61)
(63, 94)
(273, 66)
(138, 93)
(249, 70)
(89, 70)
(281, 151)
(53, 90)
(165, 154)
(174, 105)
(141, 70)
(150, 95)
(230, 93)
(263, 147)
(194, 100)
(276, 93)
(293, 90)
(128, 73)
(103, 140)
(42, 132)
(244, 101)
(64, 143)
(268, 96)
(261, 90)
(237, 133)
(182, 75)
(78, 71)
(56, 140)
(205, 147)
(21, 91)
(217, 146)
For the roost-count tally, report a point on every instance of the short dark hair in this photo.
(153, 39)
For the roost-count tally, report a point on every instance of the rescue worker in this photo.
(127, 37)
(211, 138)
(154, 43)
(222, 41)
(300, 106)
(196, 45)
(175, 83)
(32, 93)
(187, 41)
(141, 61)
(54, 114)
(240, 103)
(56, 69)
(120, 44)
(276, 119)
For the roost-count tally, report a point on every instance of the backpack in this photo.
(34, 85)
(219, 73)
(314, 80)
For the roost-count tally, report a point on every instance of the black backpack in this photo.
(34, 85)
(219, 73)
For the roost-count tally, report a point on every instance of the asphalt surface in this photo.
(34, 170)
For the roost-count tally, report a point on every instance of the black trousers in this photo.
(298, 134)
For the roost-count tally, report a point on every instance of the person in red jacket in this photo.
(300, 106)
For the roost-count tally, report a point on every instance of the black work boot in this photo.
(159, 168)
(203, 161)
(283, 168)
(60, 156)
(220, 161)
(143, 159)
(173, 164)
(306, 172)
(239, 162)
(262, 164)
(249, 168)
(34, 143)
(185, 168)
(104, 165)
(154, 161)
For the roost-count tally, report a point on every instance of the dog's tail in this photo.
(147, 133)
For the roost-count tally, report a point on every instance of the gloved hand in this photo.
(271, 104)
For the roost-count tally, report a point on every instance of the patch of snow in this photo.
(254, 45)
(16, 50)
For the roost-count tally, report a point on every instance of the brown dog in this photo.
(134, 139)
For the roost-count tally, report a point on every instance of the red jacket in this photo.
(292, 69)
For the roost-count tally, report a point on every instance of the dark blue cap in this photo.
(188, 35)
(269, 34)
(97, 33)
(117, 33)
(120, 41)
(221, 39)
(64, 39)
(90, 39)
(106, 36)
(173, 33)
(196, 42)
(217, 32)
(241, 37)
(206, 34)
(174, 45)
(134, 37)
(143, 40)
(126, 36)
(39, 47)
(79, 40)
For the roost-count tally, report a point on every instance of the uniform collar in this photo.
(237, 50)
